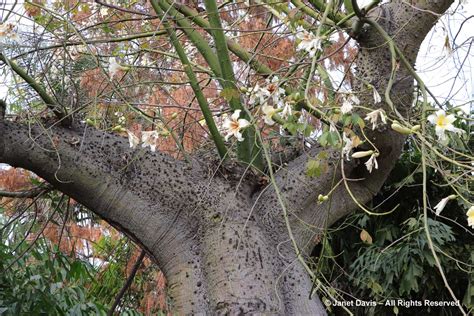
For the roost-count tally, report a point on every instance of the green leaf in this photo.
(356, 119)
(323, 139)
(230, 93)
(313, 168)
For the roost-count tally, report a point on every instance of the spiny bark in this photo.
(222, 243)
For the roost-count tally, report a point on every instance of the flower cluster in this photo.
(272, 100)
(270, 94)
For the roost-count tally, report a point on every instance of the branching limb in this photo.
(57, 109)
(203, 104)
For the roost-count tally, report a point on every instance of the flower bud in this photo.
(322, 198)
(361, 154)
(415, 128)
(401, 129)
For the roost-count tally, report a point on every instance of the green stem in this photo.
(197, 39)
(50, 102)
(235, 48)
(248, 150)
(202, 101)
(337, 18)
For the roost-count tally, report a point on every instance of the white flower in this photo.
(372, 162)
(287, 111)
(270, 92)
(115, 67)
(441, 205)
(132, 139)
(443, 123)
(274, 91)
(308, 41)
(377, 98)
(470, 216)
(347, 105)
(234, 125)
(269, 111)
(257, 95)
(149, 139)
(348, 145)
(104, 11)
(373, 117)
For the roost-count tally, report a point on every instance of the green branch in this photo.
(235, 48)
(337, 18)
(202, 101)
(197, 39)
(50, 102)
(248, 150)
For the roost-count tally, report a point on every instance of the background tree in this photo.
(242, 148)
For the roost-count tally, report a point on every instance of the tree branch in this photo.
(60, 113)
(127, 284)
(28, 193)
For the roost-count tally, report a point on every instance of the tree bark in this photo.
(220, 240)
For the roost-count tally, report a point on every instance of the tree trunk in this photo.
(221, 240)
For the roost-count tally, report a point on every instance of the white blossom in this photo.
(271, 92)
(287, 111)
(308, 41)
(115, 67)
(132, 139)
(234, 125)
(470, 216)
(346, 107)
(149, 138)
(443, 123)
(377, 98)
(257, 95)
(348, 146)
(442, 204)
(347, 104)
(372, 163)
(269, 111)
(373, 117)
